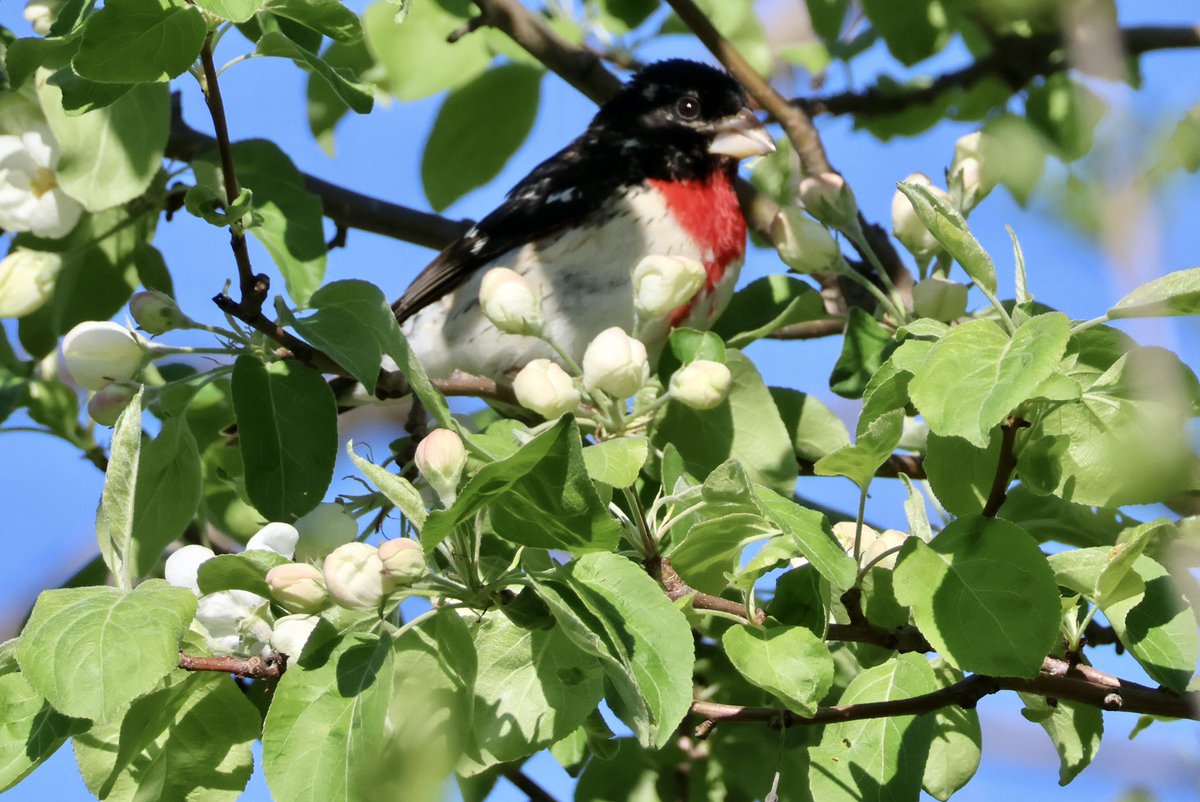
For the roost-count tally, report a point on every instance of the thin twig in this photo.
(810, 329)
(911, 465)
(1005, 466)
(526, 784)
(660, 568)
(270, 667)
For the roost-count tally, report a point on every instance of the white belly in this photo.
(581, 296)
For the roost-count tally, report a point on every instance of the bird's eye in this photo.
(688, 108)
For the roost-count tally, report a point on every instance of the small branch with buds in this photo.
(270, 667)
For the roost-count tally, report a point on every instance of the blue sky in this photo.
(50, 493)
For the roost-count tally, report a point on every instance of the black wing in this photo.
(560, 192)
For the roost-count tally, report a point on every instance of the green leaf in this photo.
(950, 229)
(745, 427)
(803, 598)
(961, 474)
(1067, 112)
(815, 429)
(353, 323)
(707, 555)
(135, 41)
(91, 651)
(291, 225)
(188, 740)
(976, 375)
(864, 348)
(688, 345)
(1051, 518)
(244, 571)
(415, 56)
(23, 58)
(812, 535)
(766, 305)
(117, 515)
(791, 663)
(232, 10)
(287, 425)
(876, 759)
(418, 381)
(961, 589)
(167, 493)
(80, 95)
(357, 96)
(956, 746)
(110, 155)
(325, 107)
(1124, 555)
(328, 17)
(1074, 729)
(913, 31)
(1176, 293)
(611, 609)
(534, 687)
(617, 462)
(394, 487)
(31, 731)
(489, 118)
(871, 449)
(541, 496)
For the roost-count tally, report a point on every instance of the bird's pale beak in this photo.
(741, 136)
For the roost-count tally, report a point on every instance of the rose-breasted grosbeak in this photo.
(652, 174)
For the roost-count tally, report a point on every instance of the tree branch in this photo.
(270, 667)
(526, 784)
(911, 465)
(1005, 466)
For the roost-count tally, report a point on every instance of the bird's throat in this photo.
(707, 209)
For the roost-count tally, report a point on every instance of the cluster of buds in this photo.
(361, 576)
(872, 544)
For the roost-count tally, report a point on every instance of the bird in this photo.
(653, 173)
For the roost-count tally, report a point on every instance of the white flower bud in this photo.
(827, 197)
(236, 622)
(98, 352)
(615, 363)
(278, 537)
(156, 312)
(110, 401)
(914, 435)
(323, 529)
(940, 299)
(970, 178)
(27, 281)
(702, 384)
(844, 532)
(440, 458)
(662, 284)
(299, 587)
(888, 539)
(804, 245)
(291, 632)
(510, 302)
(544, 387)
(908, 228)
(40, 14)
(184, 564)
(355, 577)
(403, 560)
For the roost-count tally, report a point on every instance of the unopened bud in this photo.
(27, 281)
(662, 284)
(98, 352)
(510, 302)
(827, 197)
(702, 384)
(183, 566)
(299, 587)
(323, 529)
(615, 363)
(907, 226)
(355, 578)
(110, 401)
(844, 531)
(940, 299)
(440, 458)
(885, 541)
(40, 14)
(156, 312)
(278, 537)
(970, 177)
(290, 633)
(403, 560)
(544, 387)
(804, 245)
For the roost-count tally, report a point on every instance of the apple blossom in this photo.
(702, 384)
(544, 387)
(30, 198)
(27, 281)
(355, 576)
(510, 302)
(661, 284)
(98, 352)
(299, 587)
(440, 458)
(615, 363)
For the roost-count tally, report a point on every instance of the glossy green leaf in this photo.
(353, 323)
(961, 589)
(865, 346)
(354, 94)
(1051, 518)
(707, 554)
(325, 106)
(790, 663)
(132, 41)
(328, 17)
(31, 730)
(960, 473)
(415, 55)
(871, 449)
(913, 31)
(617, 462)
(246, 570)
(815, 429)
(287, 433)
(79, 95)
(118, 502)
(766, 305)
(232, 10)
(167, 493)
(1075, 730)
(956, 746)
(394, 487)
(812, 535)
(1176, 293)
(91, 651)
(950, 229)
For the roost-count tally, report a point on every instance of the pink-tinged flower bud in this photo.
(616, 364)
(355, 577)
(662, 284)
(510, 302)
(908, 228)
(299, 587)
(156, 312)
(184, 564)
(440, 458)
(278, 537)
(110, 401)
(27, 281)
(940, 299)
(827, 197)
(702, 384)
(403, 560)
(804, 245)
(98, 352)
(323, 529)
(544, 387)
(291, 632)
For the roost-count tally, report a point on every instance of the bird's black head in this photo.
(680, 119)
